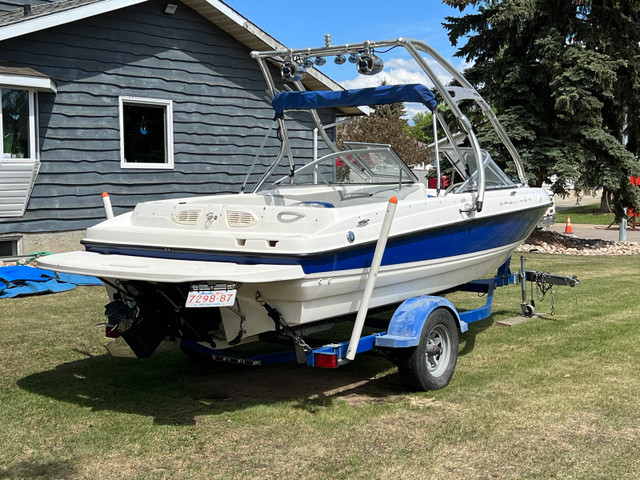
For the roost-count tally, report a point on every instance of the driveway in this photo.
(600, 232)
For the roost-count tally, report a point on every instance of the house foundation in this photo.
(26, 243)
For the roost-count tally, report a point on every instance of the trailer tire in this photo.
(430, 365)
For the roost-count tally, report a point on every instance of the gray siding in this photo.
(220, 115)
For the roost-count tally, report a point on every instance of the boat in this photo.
(294, 255)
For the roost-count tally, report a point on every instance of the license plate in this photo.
(214, 298)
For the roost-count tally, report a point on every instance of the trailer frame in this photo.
(406, 330)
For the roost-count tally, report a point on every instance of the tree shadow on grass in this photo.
(35, 469)
(175, 391)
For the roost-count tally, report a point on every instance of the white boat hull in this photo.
(300, 299)
(318, 297)
(308, 283)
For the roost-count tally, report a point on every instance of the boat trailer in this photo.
(421, 337)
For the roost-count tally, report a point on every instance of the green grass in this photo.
(585, 214)
(555, 397)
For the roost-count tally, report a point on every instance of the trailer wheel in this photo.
(430, 365)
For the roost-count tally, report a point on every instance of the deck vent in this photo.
(241, 219)
(186, 217)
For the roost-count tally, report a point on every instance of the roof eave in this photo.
(42, 22)
(43, 84)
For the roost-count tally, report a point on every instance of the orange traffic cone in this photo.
(568, 228)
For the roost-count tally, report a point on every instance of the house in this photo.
(144, 99)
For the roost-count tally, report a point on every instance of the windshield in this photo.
(378, 165)
(464, 162)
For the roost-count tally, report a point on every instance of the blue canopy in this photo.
(353, 98)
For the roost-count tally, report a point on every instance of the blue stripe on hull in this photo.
(460, 239)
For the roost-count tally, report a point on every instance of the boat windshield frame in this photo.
(373, 165)
(466, 166)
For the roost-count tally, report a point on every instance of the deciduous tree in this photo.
(386, 124)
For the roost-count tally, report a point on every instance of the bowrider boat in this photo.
(294, 255)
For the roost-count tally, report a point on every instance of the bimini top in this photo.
(353, 98)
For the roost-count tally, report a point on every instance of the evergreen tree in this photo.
(564, 77)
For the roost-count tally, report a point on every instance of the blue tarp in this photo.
(22, 280)
(353, 98)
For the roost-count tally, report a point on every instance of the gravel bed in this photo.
(546, 241)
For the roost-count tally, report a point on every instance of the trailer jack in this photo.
(544, 283)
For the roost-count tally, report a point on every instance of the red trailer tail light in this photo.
(111, 331)
(325, 360)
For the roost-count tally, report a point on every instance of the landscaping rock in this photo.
(546, 241)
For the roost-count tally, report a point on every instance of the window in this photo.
(146, 133)
(18, 125)
(8, 246)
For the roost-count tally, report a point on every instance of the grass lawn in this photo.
(556, 397)
(585, 214)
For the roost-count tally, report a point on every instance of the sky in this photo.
(350, 21)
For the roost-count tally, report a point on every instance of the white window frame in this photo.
(168, 105)
(34, 152)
